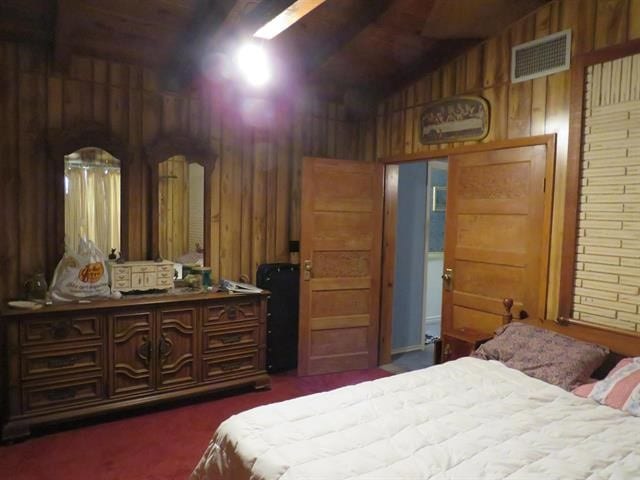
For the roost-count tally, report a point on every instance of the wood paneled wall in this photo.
(534, 107)
(255, 184)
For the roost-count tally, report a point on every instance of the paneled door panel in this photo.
(133, 353)
(340, 250)
(177, 347)
(496, 236)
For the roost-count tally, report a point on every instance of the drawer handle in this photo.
(226, 367)
(165, 345)
(59, 362)
(231, 311)
(231, 338)
(144, 351)
(61, 329)
(61, 394)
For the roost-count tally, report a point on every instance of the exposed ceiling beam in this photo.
(327, 47)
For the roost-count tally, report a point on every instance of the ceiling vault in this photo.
(339, 46)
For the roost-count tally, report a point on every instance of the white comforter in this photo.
(467, 419)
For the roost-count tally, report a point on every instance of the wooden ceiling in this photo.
(341, 45)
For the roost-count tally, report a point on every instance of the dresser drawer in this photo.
(164, 283)
(230, 365)
(120, 272)
(123, 275)
(48, 395)
(236, 310)
(165, 269)
(122, 284)
(59, 362)
(143, 268)
(214, 341)
(47, 330)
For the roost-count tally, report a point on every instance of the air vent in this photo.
(541, 57)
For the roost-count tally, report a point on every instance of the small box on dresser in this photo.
(140, 276)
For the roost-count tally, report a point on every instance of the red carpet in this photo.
(154, 446)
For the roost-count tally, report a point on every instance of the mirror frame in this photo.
(194, 151)
(62, 142)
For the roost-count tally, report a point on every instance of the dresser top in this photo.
(127, 301)
(138, 263)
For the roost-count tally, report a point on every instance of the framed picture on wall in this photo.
(454, 119)
(439, 199)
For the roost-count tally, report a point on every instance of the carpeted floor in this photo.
(162, 445)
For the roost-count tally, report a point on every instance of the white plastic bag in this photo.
(81, 275)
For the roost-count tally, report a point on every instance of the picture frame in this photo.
(439, 199)
(455, 119)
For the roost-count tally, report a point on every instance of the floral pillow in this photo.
(619, 389)
(543, 354)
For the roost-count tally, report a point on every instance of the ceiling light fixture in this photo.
(253, 63)
(286, 18)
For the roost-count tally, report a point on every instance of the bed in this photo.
(466, 419)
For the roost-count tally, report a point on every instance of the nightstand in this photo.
(460, 343)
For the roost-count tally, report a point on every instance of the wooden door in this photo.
(341, 230)
(133, 352)
(496, 236)
(176, 347)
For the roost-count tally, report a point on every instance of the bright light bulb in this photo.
(253, 63)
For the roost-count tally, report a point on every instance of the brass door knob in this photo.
(308, 270)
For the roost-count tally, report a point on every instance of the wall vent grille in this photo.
(541, 57)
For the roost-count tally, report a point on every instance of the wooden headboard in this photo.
(621, 343)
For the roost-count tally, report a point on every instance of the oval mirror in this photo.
(181, 210)
(92, 178)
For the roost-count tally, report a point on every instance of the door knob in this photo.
(308, 269)
(447, 278)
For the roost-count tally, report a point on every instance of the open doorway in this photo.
(417, 299)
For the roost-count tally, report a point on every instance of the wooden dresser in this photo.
(71, 361)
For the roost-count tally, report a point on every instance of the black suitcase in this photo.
(283, 281)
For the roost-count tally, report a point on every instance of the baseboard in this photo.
(434, 320)
(410, 348)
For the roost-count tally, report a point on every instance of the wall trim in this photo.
(473, 148)
(433, 320)
(410, 348)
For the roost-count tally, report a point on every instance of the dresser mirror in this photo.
(181, 210)
(92, 178)
(90, 198)
(181, 201)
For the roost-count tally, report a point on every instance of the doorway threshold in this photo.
(409, 361)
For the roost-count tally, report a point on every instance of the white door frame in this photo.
(440, 164)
